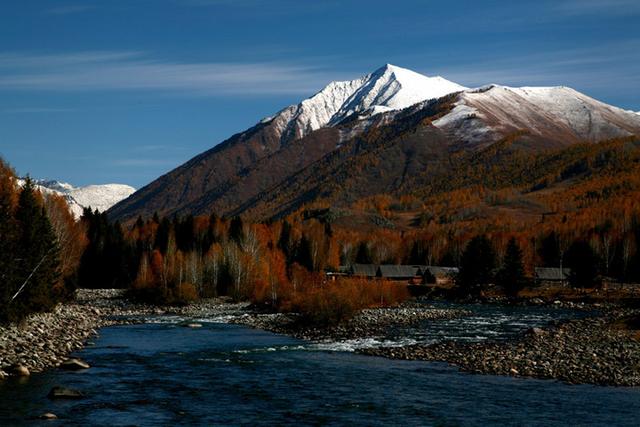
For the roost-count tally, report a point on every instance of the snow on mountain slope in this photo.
(394, 88)
(543, 111)
(100, 197)
(388, 88)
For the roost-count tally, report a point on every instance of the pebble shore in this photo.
(585, 351)
(593, 350)
(45, 340)
(367, 323)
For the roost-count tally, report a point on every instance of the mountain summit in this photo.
(387, 132)
(388, 88)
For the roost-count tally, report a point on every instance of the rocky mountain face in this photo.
(387, 132)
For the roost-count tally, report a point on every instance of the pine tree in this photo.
(236, 230)
(8, 244)
(584, 264)
(38, 256)
(363, 255)
(476, 266)
(303, 253)
(511, 276)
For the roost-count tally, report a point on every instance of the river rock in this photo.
(64, 393)
(74, 365)
(536, 331)
(20, 371)
(48, 416)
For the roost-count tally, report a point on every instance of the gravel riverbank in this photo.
(593, 351)
(600, 350)
(367, 323)
(45, 340)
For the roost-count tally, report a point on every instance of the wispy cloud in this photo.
(87, 71)
(607, 7)
(614, 68)
(69, 9)
(35, 110)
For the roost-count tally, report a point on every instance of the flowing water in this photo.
(160, 373)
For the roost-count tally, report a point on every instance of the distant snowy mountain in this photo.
(100, 197)
(386, 89)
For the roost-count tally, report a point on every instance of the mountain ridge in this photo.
(239, 174)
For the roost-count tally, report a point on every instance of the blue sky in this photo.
(124, 90)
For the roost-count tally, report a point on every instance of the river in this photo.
(160, 373)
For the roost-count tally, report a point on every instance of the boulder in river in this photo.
(64, 393)
(20, 371)
(48, 416)
(74, 365)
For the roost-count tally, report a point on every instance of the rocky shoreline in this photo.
(368, 323)
(45, 340)
(594, 350)
(599, 350)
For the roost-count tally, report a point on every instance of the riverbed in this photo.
(161, 373)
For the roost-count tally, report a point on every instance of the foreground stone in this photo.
(64, 393)
(592, 351)
(48, 416)
(74, 365)
(20, 371)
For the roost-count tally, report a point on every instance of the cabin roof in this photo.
(437, 271)
(398, 271)
(551, 273)
(366, 270)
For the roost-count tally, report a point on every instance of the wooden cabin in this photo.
(551, 276)
(435, 275)
(398, 272)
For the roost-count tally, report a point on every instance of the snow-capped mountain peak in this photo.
(394, 88)
(388, 88)
(100, 197)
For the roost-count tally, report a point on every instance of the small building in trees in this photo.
(363, 270)
(399, 272)
(551, 276)
(435, 275)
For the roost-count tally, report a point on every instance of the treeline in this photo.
(481, 267)
(276, 264)
(40, 247)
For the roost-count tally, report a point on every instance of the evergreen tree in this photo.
(185, 235)
(162, 236)
(303, 253)
(284, 242)
(109, 261)
(236, 230)
(8, 244)
(363, 254)
(584, 264)
(476, 266)
(511, 276)
(419, 252)
(549, 250)
(38, 257)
